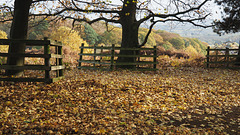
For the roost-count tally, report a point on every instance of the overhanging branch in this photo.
(149, 32)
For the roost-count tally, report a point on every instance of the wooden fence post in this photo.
(238, 55)
(135, 57)
(47, 60)
(138, 57)
(227, 56)
(57, 61)
(112, 56)
(60, 60)
(208, 49)
(216, 58)
(80, 58)
(155, 57)
(101, 56)
(94, 56)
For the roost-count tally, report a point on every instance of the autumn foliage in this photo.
(181, 97)
(168, 101)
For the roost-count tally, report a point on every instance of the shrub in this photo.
(177, 43)
(68, 37)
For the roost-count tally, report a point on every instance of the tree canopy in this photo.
(68, 37)
(130, 14)
(230, 22)
(91, 36)
(116, 11)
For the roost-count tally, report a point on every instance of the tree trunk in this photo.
(18, 31)
(129, 33)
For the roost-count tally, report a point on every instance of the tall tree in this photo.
(18, 31)
(230, 22)
(130, 14)
(91, 36)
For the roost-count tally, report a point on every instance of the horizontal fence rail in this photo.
(227, 58)
(98, 57)
(58, 67)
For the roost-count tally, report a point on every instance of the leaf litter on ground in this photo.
(172, 100)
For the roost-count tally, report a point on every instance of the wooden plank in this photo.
(28, 42)
(220, 62)
(26, 67)
(221, 49)
(57, 67)
(58, 56)
(155, 58)
(91, 54)
(116, 48)
(133, 49)
(112, 57)
(122, 63)
(95, 68)
(135, 63)
(81, 52)
(119, 55)
(208, 57)
(220, 55)
(3, 54)
(86, 67)
(47, 60)
(96, 62)
(223, 62)
(34, 55)
(26, 55)
(88, 47)
(59, 61)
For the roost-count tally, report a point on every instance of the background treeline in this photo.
(99, 34)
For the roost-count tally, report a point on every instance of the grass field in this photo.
(168, 101)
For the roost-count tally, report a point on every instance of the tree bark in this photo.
(18, 31)
(130, 28)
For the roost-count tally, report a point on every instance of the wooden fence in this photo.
(105, 58)
(47, 67)
(227, 58)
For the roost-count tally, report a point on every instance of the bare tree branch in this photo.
(149, 32)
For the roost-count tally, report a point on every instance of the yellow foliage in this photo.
(68, 37)
(151, 39)
(158, 38)
(191, 51)
(3, 48)
(175, 63)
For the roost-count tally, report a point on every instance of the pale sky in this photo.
(213, 7)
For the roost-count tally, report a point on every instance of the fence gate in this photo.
(51, 62)
(105, 58)
(227, 58)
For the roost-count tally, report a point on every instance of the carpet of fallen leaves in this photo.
(168, 101)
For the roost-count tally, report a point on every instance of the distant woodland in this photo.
(99, 34)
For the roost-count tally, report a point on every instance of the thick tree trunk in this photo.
(18, 31)
(129, 33)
